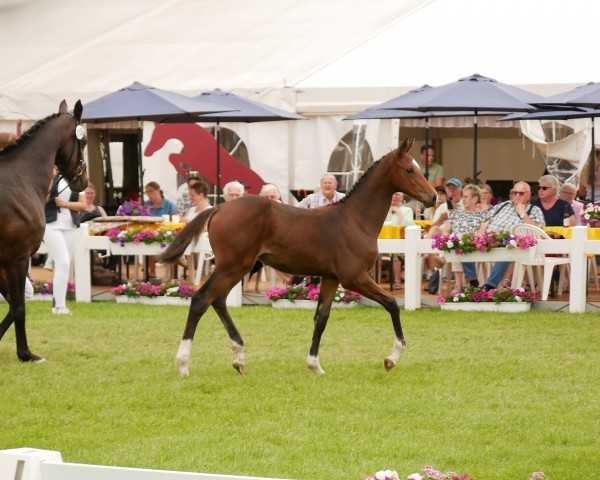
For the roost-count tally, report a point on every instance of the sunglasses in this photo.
(518, 193)
(544, 188)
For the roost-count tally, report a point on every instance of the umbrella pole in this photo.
(427, 149)
(593, 160)
(475, 148)
(218, 198)
(140, 165)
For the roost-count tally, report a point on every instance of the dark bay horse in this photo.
(26, 168)
(337, 242)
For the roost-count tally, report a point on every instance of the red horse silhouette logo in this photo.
(199, 154)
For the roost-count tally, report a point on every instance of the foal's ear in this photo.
(62, 108)
(78, 110)
(406, 145)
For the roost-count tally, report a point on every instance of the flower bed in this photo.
(294, 293)
(430, 473)
(42, 291)
(497, 300)
(132, 292)
(482, 242)
(142, 236)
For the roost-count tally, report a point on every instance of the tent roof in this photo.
(85, 48)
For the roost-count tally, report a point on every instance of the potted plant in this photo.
(131, 208)
(496, 300)
(132, 240)
(591, 215)
(169, 293)
(42, 291)
(470, 246)
(306, 296)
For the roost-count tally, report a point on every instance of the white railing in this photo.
(35, 464)
(412, 246)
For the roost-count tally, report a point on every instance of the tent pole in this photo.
(427, 149)
(218, 192)
(140, 165)
(593, 160)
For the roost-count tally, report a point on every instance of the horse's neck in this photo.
(371, 199)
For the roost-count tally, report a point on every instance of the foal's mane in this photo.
(363, 177)
(28, 134)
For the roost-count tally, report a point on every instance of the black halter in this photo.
(79, 168)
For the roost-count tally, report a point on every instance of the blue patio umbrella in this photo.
(145, 103)
(243, 110)
(474, 95)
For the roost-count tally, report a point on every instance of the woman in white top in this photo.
(199, 199)
(62, 221)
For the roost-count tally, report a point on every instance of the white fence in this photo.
(36, 464)
(413, 247)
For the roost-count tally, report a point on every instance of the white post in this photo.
(577, 289)
(83, 275)
(24, 463)
(234, 299)
(412, 269)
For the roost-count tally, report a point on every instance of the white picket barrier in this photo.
(35, 464)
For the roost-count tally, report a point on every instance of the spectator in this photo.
(233, 190)
(554, 209)
(505, 216)
(326, 195)
(199, 197)
(434, 171)
(271, 192)
(157, 202)
(586, 181)
(454, 193)
(487, 197)
(398, 214)
(568, 193)
(91, 210)
(184, 202)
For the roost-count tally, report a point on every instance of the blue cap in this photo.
(454, 181)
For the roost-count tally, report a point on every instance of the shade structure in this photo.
(474, 94)
(143, 102)
(241, 110)
(587, 95)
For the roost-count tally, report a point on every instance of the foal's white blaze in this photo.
(416, 164)
(183, 357)
(313, 364)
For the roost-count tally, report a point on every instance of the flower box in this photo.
(494, 255)
(283, 303)
(162, 300)
(136, 249)
(41, 297)
(508, 307)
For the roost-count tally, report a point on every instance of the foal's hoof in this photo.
(314, 365)
(388, 363)
(32, 358)
(239, 367)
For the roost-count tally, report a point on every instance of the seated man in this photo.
(503, 217)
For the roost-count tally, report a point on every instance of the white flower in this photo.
(171, 291)
(415, 476)
(517, 298)
(587, 216)
(387, 475)
(455, 299)
(513, 242)
(449, 244)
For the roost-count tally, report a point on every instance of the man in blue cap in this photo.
(454, 194)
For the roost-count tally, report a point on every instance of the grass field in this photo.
(498, 396)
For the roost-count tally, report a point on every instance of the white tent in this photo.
(322, 59)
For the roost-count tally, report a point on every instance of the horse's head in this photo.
(69, 157)
(406, 176)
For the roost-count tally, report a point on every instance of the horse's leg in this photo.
(328, 289)
(366, 286)
(16, 311)
(237, 343)
(214, 289)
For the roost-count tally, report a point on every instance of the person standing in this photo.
(326, 195)
(434, 171)
(62, 220)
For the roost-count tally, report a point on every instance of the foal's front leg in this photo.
(328, 289)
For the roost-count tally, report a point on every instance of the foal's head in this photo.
(69, 157)
(406, 176)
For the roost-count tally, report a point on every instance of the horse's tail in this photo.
(190, 233)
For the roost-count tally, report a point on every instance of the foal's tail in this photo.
(190, 233)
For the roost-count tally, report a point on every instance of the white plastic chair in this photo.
(202, 250)
(540, 260)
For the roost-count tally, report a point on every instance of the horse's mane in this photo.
(28, 133)
(362, 179)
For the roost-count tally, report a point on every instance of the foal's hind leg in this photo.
(237, 344)
(328, 289)
(366, 286)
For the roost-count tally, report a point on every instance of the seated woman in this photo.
(467, 220)
(401, 215)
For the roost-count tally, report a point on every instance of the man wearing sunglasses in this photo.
(505, 216)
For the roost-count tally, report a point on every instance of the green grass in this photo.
(498, 396)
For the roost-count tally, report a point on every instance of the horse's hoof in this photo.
(183, 367)
(314, 365)
(32, 358)
(388, 363)
(239, 367)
